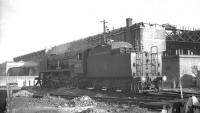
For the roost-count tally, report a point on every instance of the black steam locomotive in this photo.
(129, 59)
(115, 67)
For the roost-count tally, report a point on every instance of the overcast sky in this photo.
(31, 25)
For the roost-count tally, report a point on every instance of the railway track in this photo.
(153, 101)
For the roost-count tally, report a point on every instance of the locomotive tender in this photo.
(129, 60)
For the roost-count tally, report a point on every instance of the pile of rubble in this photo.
(24, 101)
(23, 93)
(82, 101)
(54, 101)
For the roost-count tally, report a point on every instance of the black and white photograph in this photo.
(99, 56)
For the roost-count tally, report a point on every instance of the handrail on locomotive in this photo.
(142, 80)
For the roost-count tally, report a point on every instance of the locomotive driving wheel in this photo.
(74, 82)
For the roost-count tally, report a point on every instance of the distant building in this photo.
(35, 56)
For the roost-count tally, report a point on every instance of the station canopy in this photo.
(21, 64)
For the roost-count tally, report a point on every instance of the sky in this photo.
(31, 25)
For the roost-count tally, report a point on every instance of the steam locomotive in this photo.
(125, 59)
(131, 58)
(114, 67)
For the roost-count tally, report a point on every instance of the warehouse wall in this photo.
(170, 68)
(188, 65)
(174, 66)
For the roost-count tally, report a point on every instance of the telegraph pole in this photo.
(104, 30)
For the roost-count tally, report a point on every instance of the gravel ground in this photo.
(23, 102)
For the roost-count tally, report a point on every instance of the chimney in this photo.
(128, 22)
